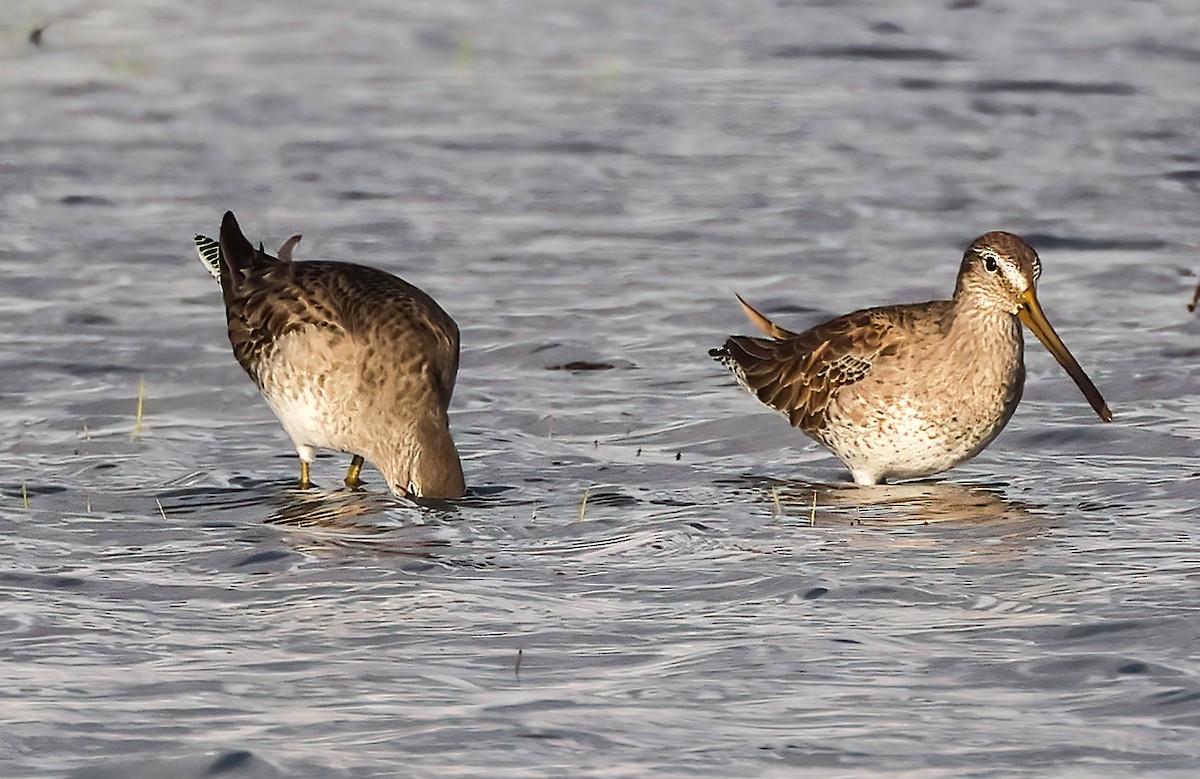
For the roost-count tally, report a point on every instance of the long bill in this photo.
(1031, 314)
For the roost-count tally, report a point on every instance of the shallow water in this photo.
(584, 182)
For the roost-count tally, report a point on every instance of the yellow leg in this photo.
(304, 482)
(352, 480)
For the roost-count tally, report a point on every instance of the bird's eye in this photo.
(989, 263)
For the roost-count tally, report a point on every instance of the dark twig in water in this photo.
(1195, 299)
(517, 665)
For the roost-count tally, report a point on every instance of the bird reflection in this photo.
(1001, 528)
(333, 510)
(376, 522)
(889, 505)
(912, 503)
(323, 521)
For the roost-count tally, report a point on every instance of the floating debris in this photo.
(140, 412)
(583, 503)
(581, 365)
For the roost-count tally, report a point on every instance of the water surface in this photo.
(653, 575)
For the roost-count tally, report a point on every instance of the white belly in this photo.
(910, 440)
(313, 393)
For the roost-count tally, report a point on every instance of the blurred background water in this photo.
(654, 575)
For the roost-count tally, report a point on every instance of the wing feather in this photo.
(799, 374)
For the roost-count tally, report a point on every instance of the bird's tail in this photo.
(210, 255)
(238, 255)
(743, 355)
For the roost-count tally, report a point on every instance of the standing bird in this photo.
(348, 357)
(902, 392)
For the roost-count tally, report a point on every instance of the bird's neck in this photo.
(989, 330)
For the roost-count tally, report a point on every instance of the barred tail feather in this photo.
(727, 355)
(210, 255)
(755, 363)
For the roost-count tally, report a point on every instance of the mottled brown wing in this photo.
(386, 310)
(357, 302)
(799, 374)
(266, 304)
(268, 297)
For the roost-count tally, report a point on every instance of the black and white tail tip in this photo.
(210, 255)
(723, 356)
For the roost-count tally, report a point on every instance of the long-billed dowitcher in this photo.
(902, 392)
(348, 357)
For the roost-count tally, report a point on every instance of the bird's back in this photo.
(800, 374)
(372, 311)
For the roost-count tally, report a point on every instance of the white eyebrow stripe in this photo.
(986, 253)
(1014, 277)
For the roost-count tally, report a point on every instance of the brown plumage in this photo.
(348, 357)
(910, 390)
